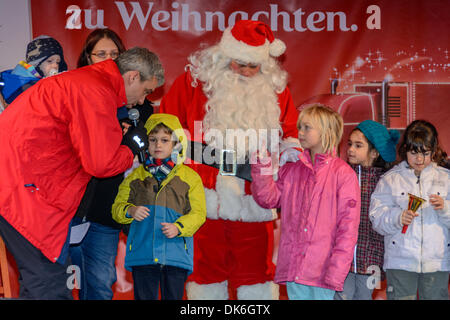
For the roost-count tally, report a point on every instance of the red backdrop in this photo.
(358, 42)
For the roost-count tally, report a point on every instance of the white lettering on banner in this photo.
(74, 20)
(182, 18)
(374, 21)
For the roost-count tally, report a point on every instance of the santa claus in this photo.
(229, 92)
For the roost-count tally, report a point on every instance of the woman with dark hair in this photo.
(96, 253)
(100, 45)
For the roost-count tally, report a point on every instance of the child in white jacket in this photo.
(417, 261)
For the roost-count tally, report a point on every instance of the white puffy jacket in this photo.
(425, 247)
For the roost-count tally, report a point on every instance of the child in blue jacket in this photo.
(164, 201)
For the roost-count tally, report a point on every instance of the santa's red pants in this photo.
(240, 252)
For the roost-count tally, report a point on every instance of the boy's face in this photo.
(160, 144)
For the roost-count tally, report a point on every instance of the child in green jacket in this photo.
(164, 201)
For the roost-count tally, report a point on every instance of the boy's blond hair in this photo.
(328, 121)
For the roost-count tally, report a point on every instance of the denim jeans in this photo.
(298, 291)
(355, 288)
(147, 280)
(96, 256)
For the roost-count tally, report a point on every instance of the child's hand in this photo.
(436, 201)
(261, 155)
(170, 230)
(139, 213)
(408, 216)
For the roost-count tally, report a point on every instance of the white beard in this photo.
(245, 103)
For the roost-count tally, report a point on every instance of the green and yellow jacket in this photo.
(179, 199)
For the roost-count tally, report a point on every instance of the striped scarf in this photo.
(159, 168)
(30, 68)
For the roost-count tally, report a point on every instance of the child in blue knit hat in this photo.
(371, 152)
(416, 258)
(44, 57)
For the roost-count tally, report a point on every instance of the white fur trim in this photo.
(252, 212)
(277, 48)
(236, 49)
(213, 291)
(235, 205)
(212, 204)
(260, 291)
(230, 190)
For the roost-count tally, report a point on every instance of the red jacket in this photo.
(53, 138)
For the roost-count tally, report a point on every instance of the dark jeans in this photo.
(39, 277)
(147, 281)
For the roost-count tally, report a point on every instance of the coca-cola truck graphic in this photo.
(394, 104)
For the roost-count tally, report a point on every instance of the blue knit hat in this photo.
(41, 48)
(382, 139)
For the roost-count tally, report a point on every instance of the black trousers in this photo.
(147, 280)
(39, 277)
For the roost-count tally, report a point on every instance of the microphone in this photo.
(133, 115)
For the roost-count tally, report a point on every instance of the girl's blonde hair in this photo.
(328, 121)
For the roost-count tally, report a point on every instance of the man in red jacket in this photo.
(54, 137)
(233, 90)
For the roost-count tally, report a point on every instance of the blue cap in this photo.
(384, 140)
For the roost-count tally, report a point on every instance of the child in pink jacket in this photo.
(319, 197)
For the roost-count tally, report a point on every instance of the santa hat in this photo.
(250, 41)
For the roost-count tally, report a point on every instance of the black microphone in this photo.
(133, 115)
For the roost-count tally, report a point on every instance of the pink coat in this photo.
(320, 210)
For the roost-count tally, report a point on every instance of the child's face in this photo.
(160, 144)
(358, 150)
(51, 63)
(418, 161)
(309, 136)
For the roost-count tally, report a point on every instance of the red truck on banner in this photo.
(393, 104)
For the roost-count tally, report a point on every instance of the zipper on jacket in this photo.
(157, 191)
(185, 245)
(421, 223)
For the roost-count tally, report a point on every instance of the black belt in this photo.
(224, 160)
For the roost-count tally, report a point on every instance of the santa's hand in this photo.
(289, 155)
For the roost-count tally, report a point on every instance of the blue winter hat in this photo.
(384, 140)
(41, 48)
